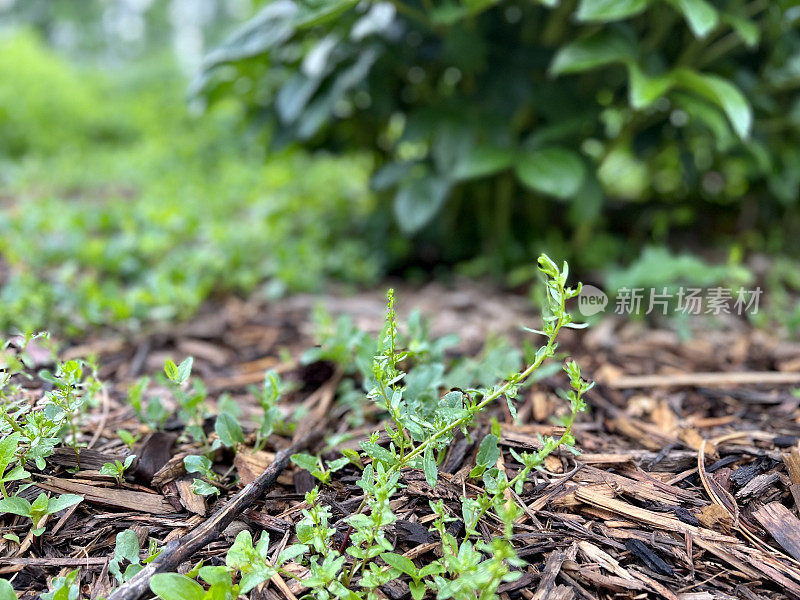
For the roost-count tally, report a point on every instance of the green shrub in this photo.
(148, 225)
(488, 118)
(46, 105)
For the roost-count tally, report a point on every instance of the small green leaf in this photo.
(701, 16)
(305, 461)
(109, 469)
(488, 451)
(127, 546)
(609, 10)
(644, 89)
(601, 48)
(196, 463)
(228, 429)
(417, 589)
(61, 502)
(15, 506)
(8, 450)
(203, 488)
(126, 437)
(401, 563)
(171, 370)
(482, 161)
(185, 369)
(723, 93)
(376, 452)
(429, 466)
(173, 586)
(339, 463)
(291, 553)
(6, 591)
(511, 408)
(16, 474)
(555, 171)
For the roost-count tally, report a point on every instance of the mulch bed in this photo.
(687, 486)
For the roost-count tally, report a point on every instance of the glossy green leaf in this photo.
(173, 586)
(305, 461)
(482, 161)
(609, 10)
(185, 369)
(196, 463)
(16, 474)
(701, 16)
(555, 171)
(723, 93)
(644, 89)
(203, 488)
(601, 48)
(8, 449)
(418, 201)
(378, 453)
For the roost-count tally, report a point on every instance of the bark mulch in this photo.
(687, 486)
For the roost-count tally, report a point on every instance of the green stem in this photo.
(551, 343)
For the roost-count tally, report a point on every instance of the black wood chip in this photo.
(648, 557)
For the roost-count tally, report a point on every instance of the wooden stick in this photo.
(181, 550)
(705, 379)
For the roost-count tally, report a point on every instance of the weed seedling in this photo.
(202, 465)
(317, 468)
(421, 426)
(40, 508)
(117, 468)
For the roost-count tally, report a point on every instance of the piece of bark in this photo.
(153, 452)
(192, 502)
(154, 504)
(649, 558)
(249, 465)
(183, 549)
(92, 460)
(782, 525)
(705, 379)
(551, 569)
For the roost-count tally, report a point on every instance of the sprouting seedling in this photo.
(64, 588)
(40, 508)
(192, 404)
(117, 468)
(405, 565)
(268, 398)
(201, 464)
(127, 438)
(229, 432)
(126, 549)
(244, 559)
(64, 402)
(317, 468)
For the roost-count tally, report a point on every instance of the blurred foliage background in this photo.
(155, 153)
